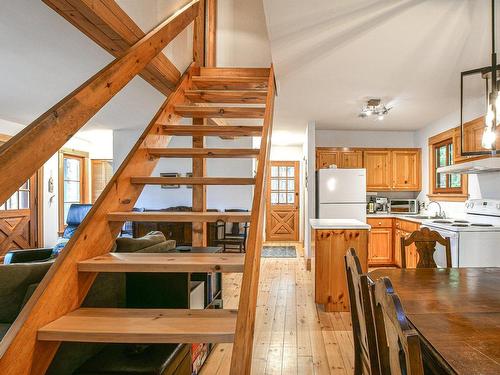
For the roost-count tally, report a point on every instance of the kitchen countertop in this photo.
(338, 224)
(397, 216)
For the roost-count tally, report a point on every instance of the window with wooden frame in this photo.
(445, 186)
(73, 182)
(101, 172)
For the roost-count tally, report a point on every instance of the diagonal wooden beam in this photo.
(22, 155)
(110, 26)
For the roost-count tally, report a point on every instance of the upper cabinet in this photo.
(406, 170)
(351, 159)
(397, 169)
(378, 170)
(342, 159)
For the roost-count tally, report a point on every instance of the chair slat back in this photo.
(425, 241)
(398, 343)
(365, 343)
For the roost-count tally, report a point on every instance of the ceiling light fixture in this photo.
(492, 119)
(374, 107)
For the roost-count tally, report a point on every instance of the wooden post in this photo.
(199, 166)
(212, 33)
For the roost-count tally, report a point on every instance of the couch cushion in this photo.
(131, 245)
(4, 327)
(15, 280)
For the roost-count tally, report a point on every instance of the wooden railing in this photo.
(241, 359)
(63, 289)
(25, 153)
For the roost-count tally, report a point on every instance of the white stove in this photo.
(475, 239)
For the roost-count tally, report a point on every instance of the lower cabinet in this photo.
(384, 244)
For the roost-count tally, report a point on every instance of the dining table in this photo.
(456, 312)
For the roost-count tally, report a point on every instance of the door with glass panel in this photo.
(18, 217)
(282, 204)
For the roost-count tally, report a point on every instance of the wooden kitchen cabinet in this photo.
(351, 159)
(406, 170)
(457, 144)
(326, 158)
(380, 241)
(378, 169)
(342, 159)
(402, 229)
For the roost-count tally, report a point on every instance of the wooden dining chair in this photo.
(398, 343)
(425, 241)
(363, 327)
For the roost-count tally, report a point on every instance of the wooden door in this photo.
(351, 159)
(406, 170)
(326, 158)
(378, 171)
(19, 217)
(282, 204)
(380, 246)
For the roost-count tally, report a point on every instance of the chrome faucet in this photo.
(441, 213)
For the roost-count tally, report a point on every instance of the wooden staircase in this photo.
(251, 91)
(215, 99)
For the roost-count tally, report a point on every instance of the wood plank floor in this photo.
(292, 336)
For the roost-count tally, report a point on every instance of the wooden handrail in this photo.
(63, 289)
(33, 146)
(241, 359)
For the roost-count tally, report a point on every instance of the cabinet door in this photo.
(380, 246)
(326, 158)
(457, 144)
(378, 171)
(410, 251)
(406, 170)
(351, 159)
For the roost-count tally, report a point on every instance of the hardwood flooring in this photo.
(292, 336)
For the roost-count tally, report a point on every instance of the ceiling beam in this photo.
(110, 26)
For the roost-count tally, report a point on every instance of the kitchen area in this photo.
(374, 193)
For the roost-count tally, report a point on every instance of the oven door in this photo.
(440, 253)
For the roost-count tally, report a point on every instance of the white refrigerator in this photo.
(341, 194)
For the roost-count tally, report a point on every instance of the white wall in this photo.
(359, 138)
(309, 184)
(219, 197)
(242, 38)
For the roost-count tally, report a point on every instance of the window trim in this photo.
(448, 194)
(84, 197)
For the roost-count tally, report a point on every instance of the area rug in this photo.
(279, 252)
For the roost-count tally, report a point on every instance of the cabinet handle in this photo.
(379, 223)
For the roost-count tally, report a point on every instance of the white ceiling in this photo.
(44, 58)
(330, 56)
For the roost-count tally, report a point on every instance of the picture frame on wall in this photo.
(171, 175)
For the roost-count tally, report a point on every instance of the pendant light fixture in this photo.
(492, 118)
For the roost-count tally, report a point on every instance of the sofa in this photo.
(19, 280)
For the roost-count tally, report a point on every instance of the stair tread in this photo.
(219, 111)
(178, 217)
(113, 325)
(213, 130)
(204, 152)
(227, 96)
(231, 83)
(151, 180)
(164, 262)
(235, 72)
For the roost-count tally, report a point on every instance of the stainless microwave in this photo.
(403, 206)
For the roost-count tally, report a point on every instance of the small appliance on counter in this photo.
(381, 205)
(403, 206)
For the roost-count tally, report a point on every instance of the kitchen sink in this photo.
(423, 217)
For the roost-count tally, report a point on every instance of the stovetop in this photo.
(481, 215)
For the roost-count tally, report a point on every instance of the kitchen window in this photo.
(444, 186)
